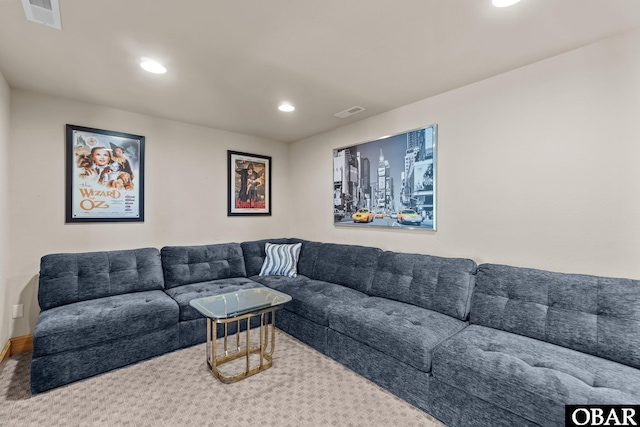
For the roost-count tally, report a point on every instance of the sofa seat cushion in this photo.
(531, 378)
(313, 299)
(184, 294)
(403, 331)
(280, 282)
(86, 323)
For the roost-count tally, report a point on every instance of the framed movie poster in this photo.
(249, 184)
(105, 176)
(388, 182)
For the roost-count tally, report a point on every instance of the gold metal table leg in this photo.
(267, 319)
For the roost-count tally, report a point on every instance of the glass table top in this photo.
(239, 302)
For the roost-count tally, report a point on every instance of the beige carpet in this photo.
(303, 388)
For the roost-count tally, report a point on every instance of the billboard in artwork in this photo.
(387, 182)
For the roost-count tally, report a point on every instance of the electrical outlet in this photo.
(18, 311)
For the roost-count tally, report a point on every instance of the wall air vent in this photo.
(45, 12)
(349, 112)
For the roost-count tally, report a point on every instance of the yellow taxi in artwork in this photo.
(409, 216)
(362, 215)
(379, 215)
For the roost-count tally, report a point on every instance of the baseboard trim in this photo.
(6, 351)
(16, 345)
(21, 344)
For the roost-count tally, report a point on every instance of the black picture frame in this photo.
(247, 196)
(101, 190)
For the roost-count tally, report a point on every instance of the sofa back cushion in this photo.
(192, 264)
(72, 277)
(254, 254)
(347, 265)
(594, 315)
(439, 284)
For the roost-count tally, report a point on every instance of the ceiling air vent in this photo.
(45, 12)
(349, 112)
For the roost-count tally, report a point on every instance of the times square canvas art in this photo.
(388, 182)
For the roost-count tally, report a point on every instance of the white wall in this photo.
(4, 207)
(537, 167)
(185, 189)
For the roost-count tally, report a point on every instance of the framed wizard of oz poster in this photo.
(249, 184)
(105, 176)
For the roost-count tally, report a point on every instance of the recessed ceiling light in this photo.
(286, 107)
(504, 3)
(152, 66)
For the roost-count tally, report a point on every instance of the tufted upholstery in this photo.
(532, 346)
(95, 321)
(69, 278)
(191, 264)
(184, 294)
(314, 299)
(441, 284)
(347, 265)
(594, 315)
(531, 378)
(279, 283)
(402, 331)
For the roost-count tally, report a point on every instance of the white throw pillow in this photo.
(281, 260)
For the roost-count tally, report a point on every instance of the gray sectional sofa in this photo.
(100, 311)
(537, 341)
(484, 345)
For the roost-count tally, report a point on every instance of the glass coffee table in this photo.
(241, 305)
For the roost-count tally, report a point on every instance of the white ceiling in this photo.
(231, 62)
